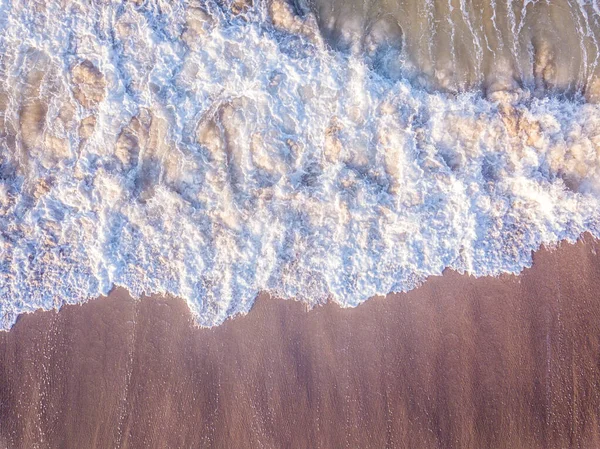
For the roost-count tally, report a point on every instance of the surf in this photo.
(212, 150)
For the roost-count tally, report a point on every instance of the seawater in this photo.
(211, 150)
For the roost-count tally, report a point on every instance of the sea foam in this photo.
(211, 151)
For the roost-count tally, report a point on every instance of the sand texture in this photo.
(509, 362)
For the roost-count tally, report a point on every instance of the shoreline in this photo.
(117, 290)
(460, 361)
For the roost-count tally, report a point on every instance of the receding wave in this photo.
(212, 150)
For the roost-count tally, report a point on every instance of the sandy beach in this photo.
(219, 153)
(458, 363)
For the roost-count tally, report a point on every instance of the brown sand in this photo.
(512, 362)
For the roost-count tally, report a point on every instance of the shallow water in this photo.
(458, 44)
(212, 151)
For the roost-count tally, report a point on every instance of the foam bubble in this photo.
(212, 152)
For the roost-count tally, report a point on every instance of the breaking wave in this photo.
(211, 150)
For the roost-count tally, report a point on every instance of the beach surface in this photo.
(460, 362)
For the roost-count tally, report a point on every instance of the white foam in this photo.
(213, 156)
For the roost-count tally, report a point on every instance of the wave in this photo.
(212, 150)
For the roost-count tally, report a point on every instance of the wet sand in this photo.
(509, 362)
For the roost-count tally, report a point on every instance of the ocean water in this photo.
(321, 151)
